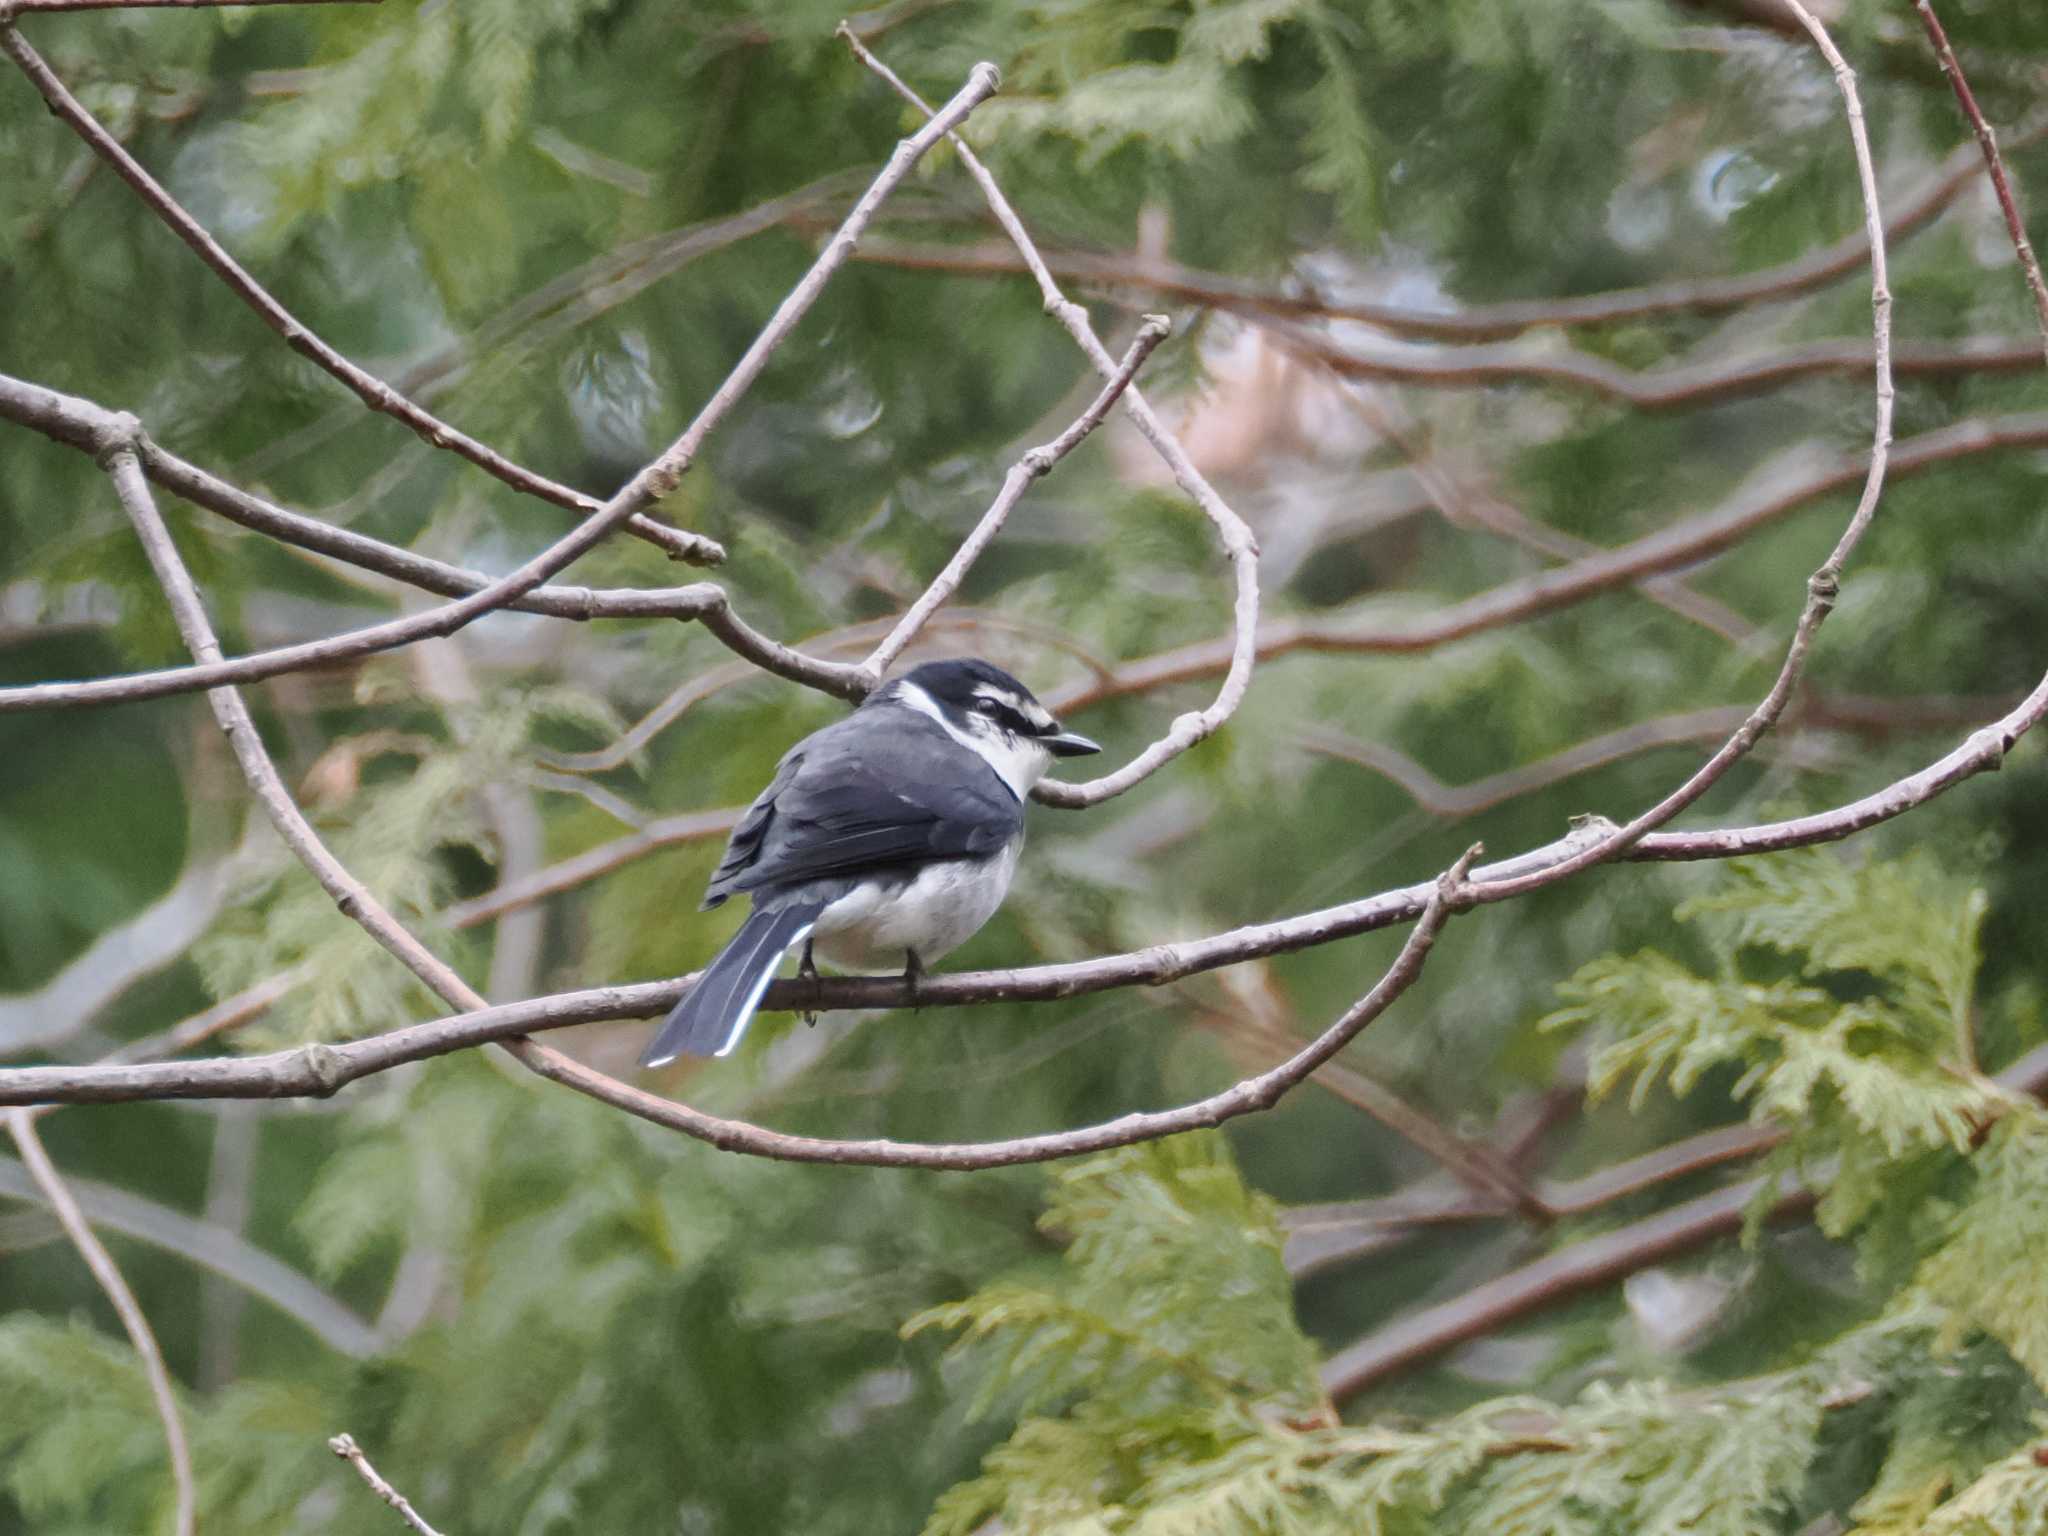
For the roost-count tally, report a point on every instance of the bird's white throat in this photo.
(1019, 761)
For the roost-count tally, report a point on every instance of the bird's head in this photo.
(984, 708)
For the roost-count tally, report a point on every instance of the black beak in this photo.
(1070, 744)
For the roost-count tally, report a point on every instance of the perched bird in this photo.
(884, 840)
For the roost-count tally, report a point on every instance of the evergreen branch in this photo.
(21, 1126)
(346, 1448)
(372, 391)
(1599, 1261)
(2030, 264)
(1480, 322)
(1235, 535)
(1033, 466)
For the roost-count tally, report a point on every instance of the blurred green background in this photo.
(538, 1315)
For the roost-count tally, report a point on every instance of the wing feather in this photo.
(848, 802)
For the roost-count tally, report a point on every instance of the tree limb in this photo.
(372, 391)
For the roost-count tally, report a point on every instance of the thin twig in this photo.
(1239, 545)
(1685, 386)
(346, 1448)
(2030, 265)
(21, 1126)
(1824, 586)
(1460, 506)
(372, 391)
(1033, 466)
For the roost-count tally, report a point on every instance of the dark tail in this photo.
(715, 1013)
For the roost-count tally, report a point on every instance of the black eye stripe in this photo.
(1010, 719)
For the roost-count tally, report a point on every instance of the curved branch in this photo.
(21, 1125)
(372, 391)
(1824, 586)
(1594, 1261)
(317, 1071)
(1682, 387)
(1987, 141)
(1033, 466)
(1235, 535)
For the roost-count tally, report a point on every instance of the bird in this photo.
(884, 840)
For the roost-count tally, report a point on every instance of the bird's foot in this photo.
(807, 970)
(913, 979)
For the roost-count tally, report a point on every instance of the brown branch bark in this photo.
(2008, 205)
(1824, 586)
(1795, 479)
(1479, 322)
(320, 1070)
(1682, 387)
(21, 1125)
(346, 1448)
(372, 391)
(1595, 1261)
(1032, 467)
(1239, 546)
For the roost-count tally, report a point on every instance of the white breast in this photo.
(943, 906)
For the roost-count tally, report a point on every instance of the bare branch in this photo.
(1033, 466)
(1238, 544)
(1461, 506)
(320, 1070)
(1480, 322)
(1595, 1261)
(665, 832)
(346, 1448)
(1459, 800)
(1824, 586)
(21, 1126)
(372, 391)
(1794, 479)
(1682, 387)
(1583, 1266)
(699, 686)
(2030, 265)
(83, 425)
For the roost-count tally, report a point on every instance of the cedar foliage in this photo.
(523, 211)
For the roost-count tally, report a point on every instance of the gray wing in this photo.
(846, 803)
